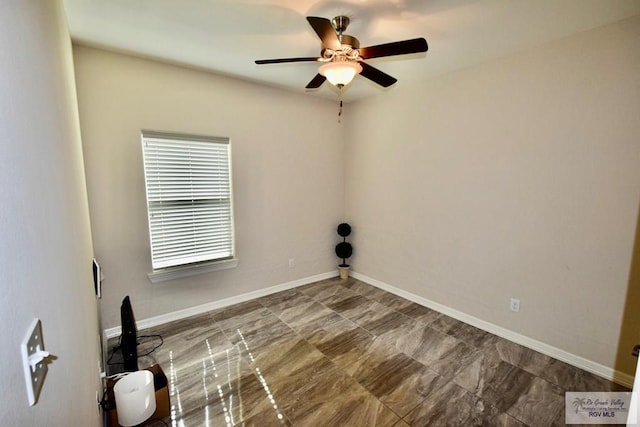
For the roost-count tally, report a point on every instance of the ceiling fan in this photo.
(343, 58)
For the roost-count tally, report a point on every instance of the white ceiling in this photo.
(226, 36)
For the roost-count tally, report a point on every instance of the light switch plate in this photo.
(34, 372)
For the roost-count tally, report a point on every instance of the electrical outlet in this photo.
(514, 304)
(292, 262)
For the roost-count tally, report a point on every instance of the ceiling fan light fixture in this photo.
(340, 73)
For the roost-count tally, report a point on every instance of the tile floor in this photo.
(345, 353)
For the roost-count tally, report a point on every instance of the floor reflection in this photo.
(342, 352)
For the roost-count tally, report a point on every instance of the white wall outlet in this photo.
(514, 304)
(33, 360)
(292, 262)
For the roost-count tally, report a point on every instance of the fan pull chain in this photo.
(340, 104)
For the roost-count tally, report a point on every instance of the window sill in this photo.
(180, 272)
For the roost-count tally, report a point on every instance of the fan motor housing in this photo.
(346, 39)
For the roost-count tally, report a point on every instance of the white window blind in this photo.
(189, 199)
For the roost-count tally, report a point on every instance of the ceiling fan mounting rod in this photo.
(340, 23)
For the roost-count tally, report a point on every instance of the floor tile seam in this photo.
(477, 393)
(524, 392)
(429, 323)
(329, 402)
(422, 321)
(269, 307)
(505, 412)
(236, 326)
(376, 300)
(396, 311)
(482, 398)
(413, 354)
(309, 324)
(337, 313)
(222, 310)
(260, 381)
(338, 367)
(208, 331)
(294, 329)
(497, 410)
(531, 372)
(373, 396)
(349, 367)
(244, 421)
(226, 335)
(342, 316)
(458, 341)
(407, 320)
(560, 386)
(402, 417)
(486, 402)
(313, 379)
(260, 300)
(449, 333)
(241, 346)
(425, 365)
(300, 336)
(360, 294)
(556, 414)
(341, 371)
(565, 387)
(368, 379)
(515, 418)
(376, 323)
(323, 302)
(405, 416)
(370, 332)
(278, 316)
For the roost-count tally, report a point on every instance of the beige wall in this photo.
(45, 245)
(516, 178)
(288, 176)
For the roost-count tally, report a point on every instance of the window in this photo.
(189, 200)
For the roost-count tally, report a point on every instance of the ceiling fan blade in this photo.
(377, 76)
(316, 82)
(324, 30)
(396, 48)
(281, 60)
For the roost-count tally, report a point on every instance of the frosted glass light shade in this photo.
(340, 72)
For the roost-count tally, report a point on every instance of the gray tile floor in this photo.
(345, 353)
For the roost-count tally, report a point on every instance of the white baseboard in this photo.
(203, 308)
(562, 355)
